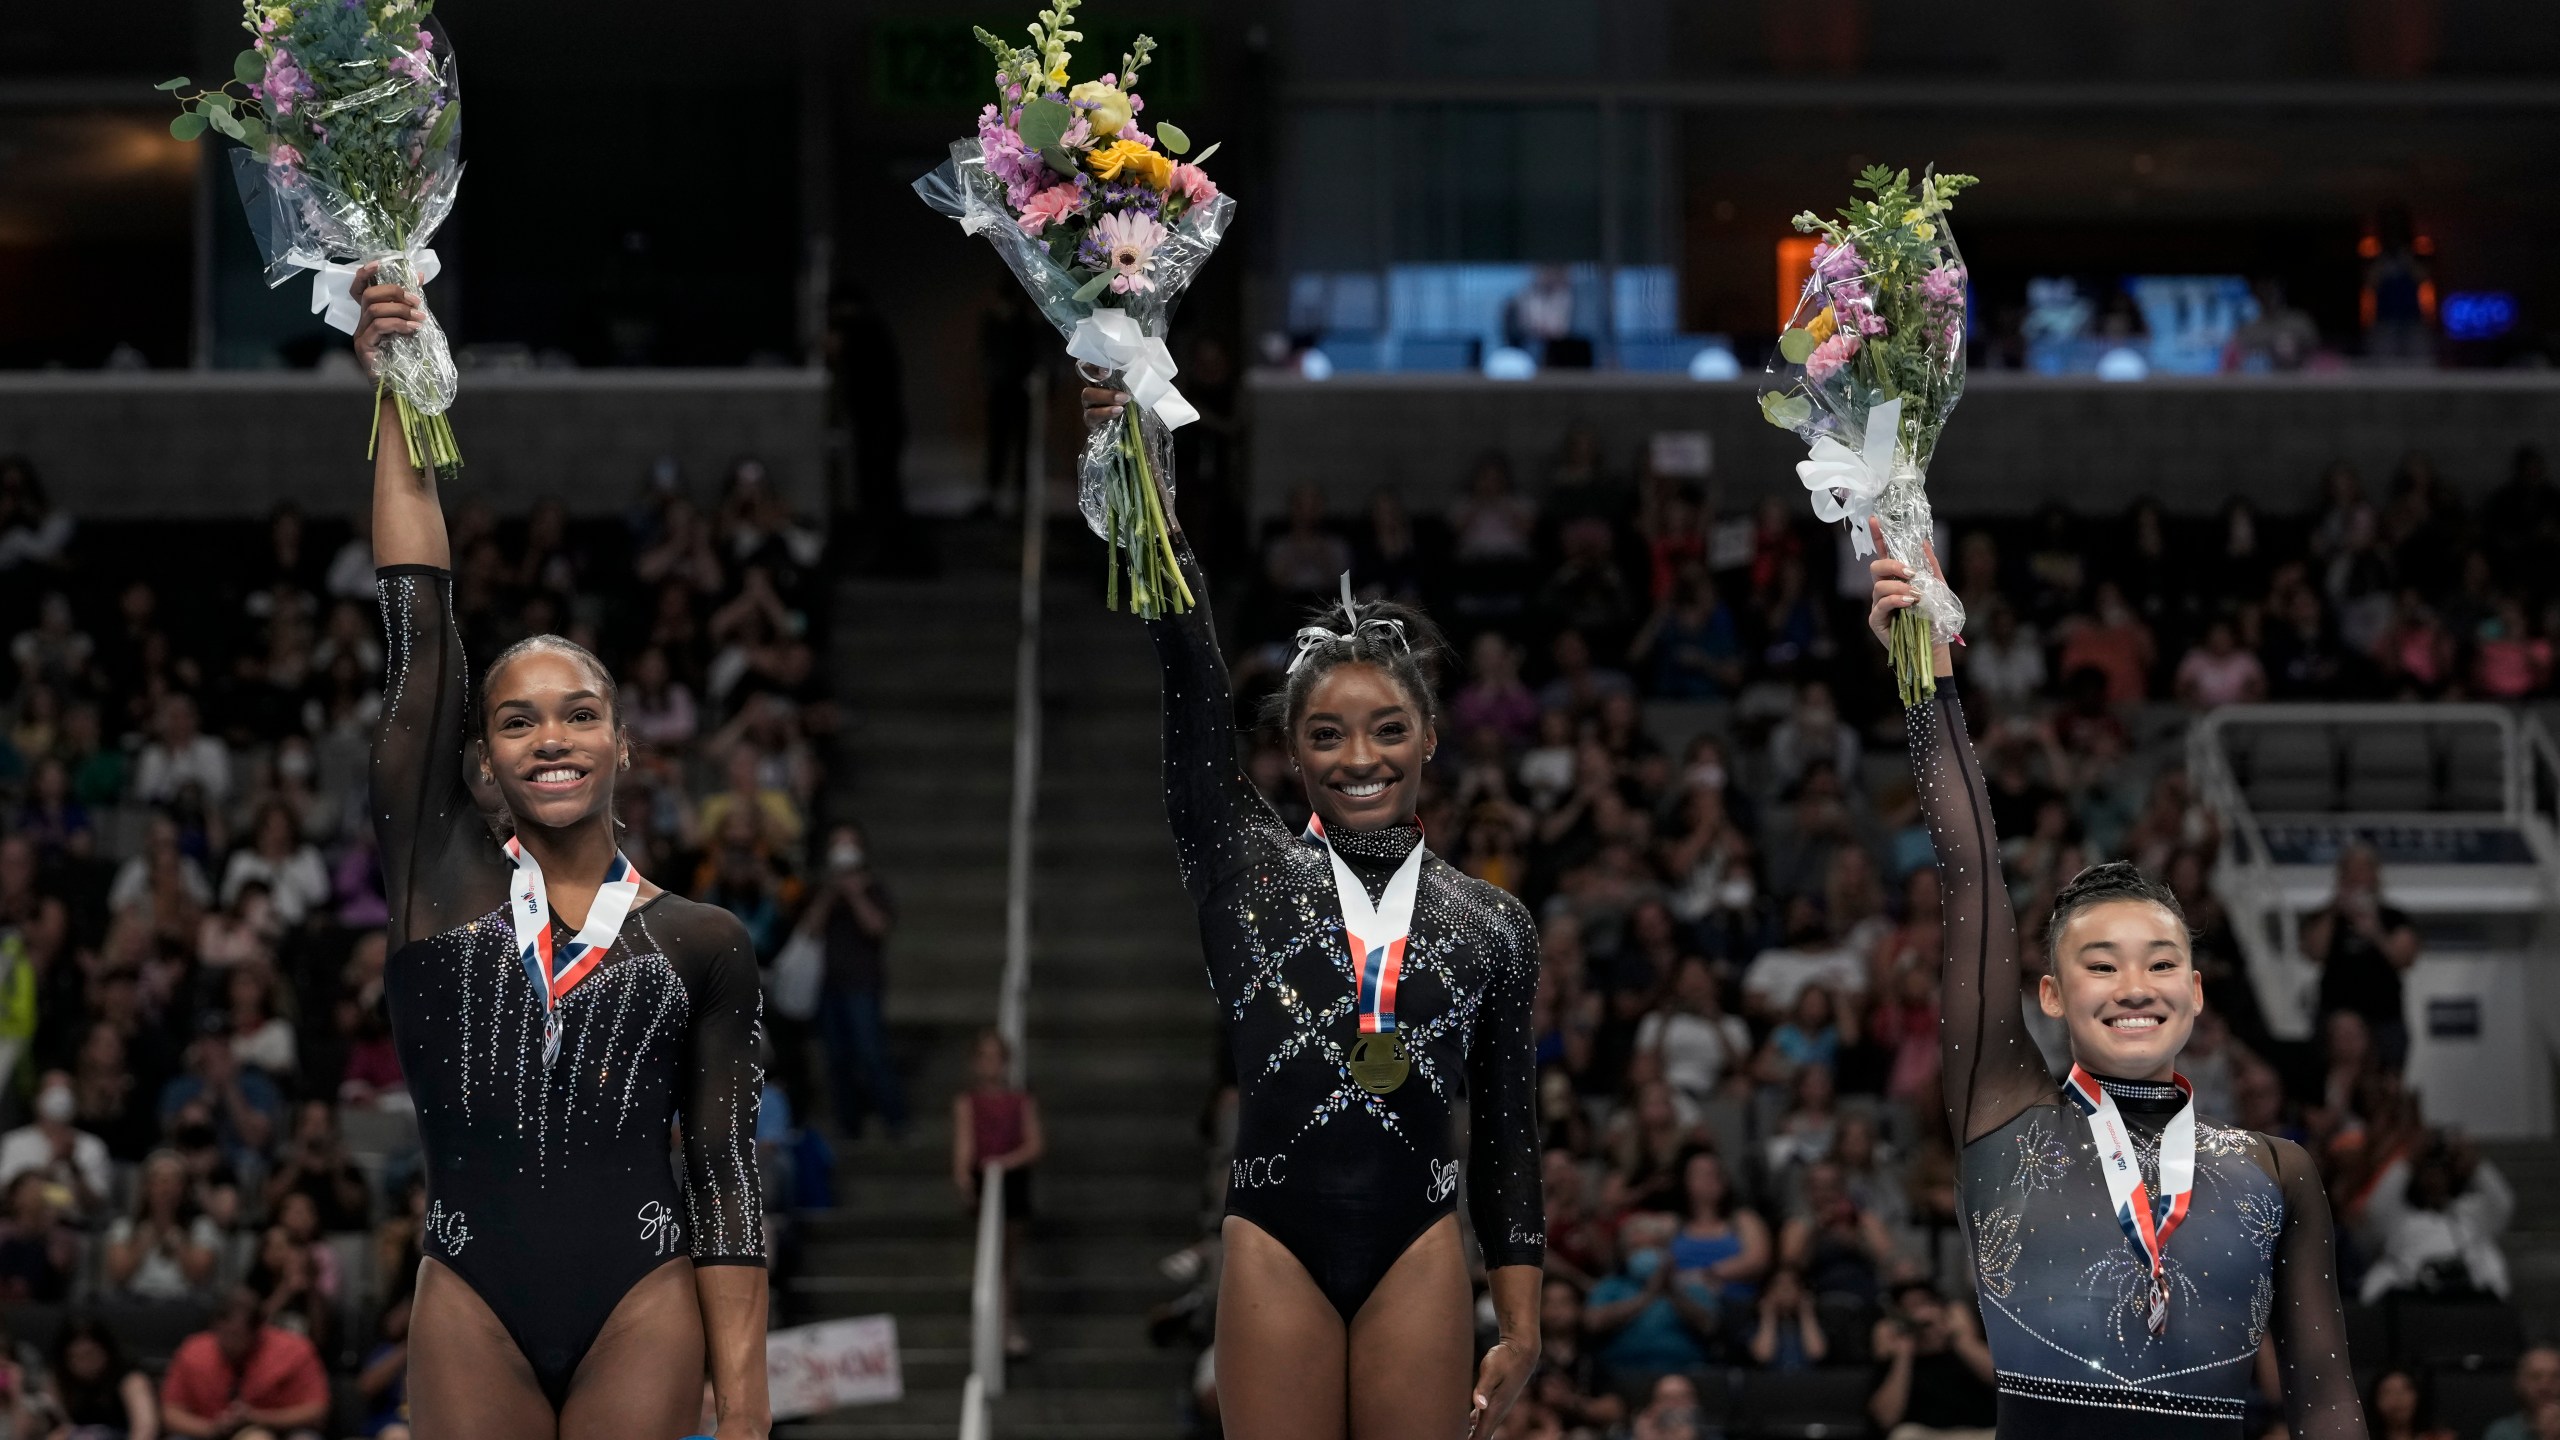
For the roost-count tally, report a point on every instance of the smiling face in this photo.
(1359, 747)
(552, 739)
(2125, 987)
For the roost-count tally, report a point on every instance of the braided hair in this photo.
(1398, 639)
(2104, 884)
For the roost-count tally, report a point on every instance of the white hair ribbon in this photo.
(1314, 637)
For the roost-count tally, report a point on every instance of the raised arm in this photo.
(1992, 1070)
(1220, 821)
(421, 804)
(2310, 1328)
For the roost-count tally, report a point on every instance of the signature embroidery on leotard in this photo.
(447, 1228)
(1521, 1235)
(659, 1227)
(1996, 1248)
(2043, 1158)
(1444, 1181)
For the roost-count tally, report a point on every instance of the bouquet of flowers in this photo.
(1105, 227)
(1867, 372)
(349, 127)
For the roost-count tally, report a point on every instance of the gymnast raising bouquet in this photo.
(349, 125)
(1867, 372)
(1105, 225)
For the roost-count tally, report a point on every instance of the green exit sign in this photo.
(939, 65)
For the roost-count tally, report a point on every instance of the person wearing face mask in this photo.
(73, 1161)
(1369, 987)
(2130, 1256)
(852, 916)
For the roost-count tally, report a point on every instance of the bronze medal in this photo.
(1378, 1064)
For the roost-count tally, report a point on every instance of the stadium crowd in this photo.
(208, 1174)
(1665, 729)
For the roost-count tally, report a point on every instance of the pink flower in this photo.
(1194, 184)
(1079, 134)
(1837, 262)
(283, 156)
(1128, 242)
(1829, 356)
(1944, 285)
(1051, 206)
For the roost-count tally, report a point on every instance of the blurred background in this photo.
(2247, 499)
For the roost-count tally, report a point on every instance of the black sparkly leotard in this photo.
(1344, 1178)
(2063, 1294)
(550, 1192)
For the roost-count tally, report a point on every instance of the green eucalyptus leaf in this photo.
(1203, 157)
(253, 133)
(1059, 160)
(1797, 345)
(228, 124)
(217, 101)
(1045, 122)
(442, 134)
(178, 84)
(1785, 411)
(1094, 286)
(1173, 138)
(189, 126)
(248, 67)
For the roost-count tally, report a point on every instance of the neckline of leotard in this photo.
(1392, 843)
(2142, 1097)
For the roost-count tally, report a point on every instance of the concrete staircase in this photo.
(1121, 1023)
(2532, 1168)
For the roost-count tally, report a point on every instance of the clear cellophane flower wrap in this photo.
(1870, 366)
(351, 156)
(1126, 472)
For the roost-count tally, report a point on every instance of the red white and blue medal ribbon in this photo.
(1375, 934)
(2147, 1220)
(555, 971)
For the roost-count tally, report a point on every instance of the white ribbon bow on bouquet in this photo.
(1113, 340)
(1845, 482)
(333, 286)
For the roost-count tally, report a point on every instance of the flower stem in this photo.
(1156, 527)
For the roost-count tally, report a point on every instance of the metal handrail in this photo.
(986, 1281)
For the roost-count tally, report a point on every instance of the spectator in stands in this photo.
(2364, 948)
(2537, 1391)
(2004, 660)
(1494, 698)
(297, 880)
(1580, 685)
(240, 1102)
(2398, 1405)
(261, 1040)
(740, 876)
(2435, 1219)
(289, 1282)
(1577, 1387)
(1810, 956)
(1817, 824)
(1700, 1046)
(1671, 1412)
(244, 1379)
(2111, 639)
(314, 1165)
(1788, 1336)
(851, 915)
(165, 1249)
(1689, 648)
(383, 1380)
(995, 1122)
(2417, 652)
(1652, 1315)
(2218, 672)
(1719, 1238)
(1813, 732)
(1933, 1372)
(181, 754)
(1835, 1245)
(39, 1251)
(1811, 1121)
(92, 1392)
(662, 715)
(1306, 560)
(112, 1101)
(776, 821)
(35, 534)
(163, 885)
(2509, 661)
(71, 1161)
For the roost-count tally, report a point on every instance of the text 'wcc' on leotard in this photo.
(1347, 1179)
(551, 1191)
(2064, 1297)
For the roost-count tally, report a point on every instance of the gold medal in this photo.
(1378, 1064)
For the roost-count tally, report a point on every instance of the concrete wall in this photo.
(175, 445)
(2016, 440)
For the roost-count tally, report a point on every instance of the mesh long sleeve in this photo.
(1220, 821)
(433, 840)
(723, 1088)
(1992, 1069)
(1504, 1195)
(2320, 1401)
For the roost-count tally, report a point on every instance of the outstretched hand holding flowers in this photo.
(1105, 228)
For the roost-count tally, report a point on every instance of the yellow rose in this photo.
(1823, 326)
(1106, 108)
(1129, 160)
